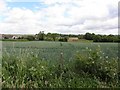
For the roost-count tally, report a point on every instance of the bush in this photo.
(30, 38)
(96, 66)
(63, 39)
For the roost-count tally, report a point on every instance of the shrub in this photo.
(63, 39)
(30, 38)
(96, 66)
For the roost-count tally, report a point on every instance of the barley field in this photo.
(42, 64)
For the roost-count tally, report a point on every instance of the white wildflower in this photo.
(106, 61)
(61, 53)
(86, 47)
(106, 57)
(46, 82)
(42, 67)
(90, 49)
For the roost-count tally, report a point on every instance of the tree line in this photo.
(102, 38)
(41, 36)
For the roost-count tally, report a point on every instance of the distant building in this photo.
(7, 36)
(4, 36)
(15, 37)
(73, 39)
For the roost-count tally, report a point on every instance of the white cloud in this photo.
(3, 6)
(63, 16)
(20, 21)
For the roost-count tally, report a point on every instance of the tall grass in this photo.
(66, 66)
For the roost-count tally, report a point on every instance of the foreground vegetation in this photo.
(59, 65)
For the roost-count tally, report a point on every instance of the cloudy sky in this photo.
(59, 16)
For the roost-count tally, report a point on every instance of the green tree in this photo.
(30, 38)
(63, 39)
(81, 36)
(89, 36)
(40, 35)
(97, 38)
(54, 36)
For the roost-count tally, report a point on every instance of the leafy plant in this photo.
(97, 66)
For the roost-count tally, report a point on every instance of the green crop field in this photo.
(44, 64)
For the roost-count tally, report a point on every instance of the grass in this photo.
(85, 41)
(17, 40)
(59, 65)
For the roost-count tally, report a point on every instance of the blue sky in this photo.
(29, 5)
(59, 16)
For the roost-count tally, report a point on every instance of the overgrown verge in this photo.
(86, 70)
(98, 66)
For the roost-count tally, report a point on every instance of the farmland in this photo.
(40, 64)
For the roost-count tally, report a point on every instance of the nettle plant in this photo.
(95, 64)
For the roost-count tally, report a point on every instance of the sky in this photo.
(59, 16)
